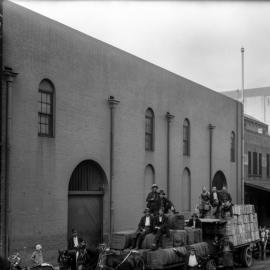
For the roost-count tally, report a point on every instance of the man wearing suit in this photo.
(153, 200)
(214, 201)
(226, 202)
(192, 260)
(165, 203)
(145, 227)
(73, 247)
(194, 222)
(160, 227)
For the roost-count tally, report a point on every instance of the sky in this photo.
(199, 40)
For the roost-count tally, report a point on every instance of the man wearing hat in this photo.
(226, 202)
(145, 227)
(194, 222)
(153, 200)
(74, 241)
(165, 203)
(161, 226)
(192, 260)
(73, 247)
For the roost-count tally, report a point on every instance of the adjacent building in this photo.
(88, 128)
(257, 167)
(256, 102)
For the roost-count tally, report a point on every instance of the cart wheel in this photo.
(247, 259)
(211, 265)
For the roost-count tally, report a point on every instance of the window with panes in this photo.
(267, 165)
(249, 163)
(149, 130)
(260, 164)
(232, 147)
(46, 110)
(186, 138)
(255, 163)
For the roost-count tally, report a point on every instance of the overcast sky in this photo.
(197, 40)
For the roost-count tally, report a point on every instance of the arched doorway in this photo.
(149, 180)
(186, 191)
(85, 201)
(219, 180)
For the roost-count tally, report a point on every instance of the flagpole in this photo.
(243, 131)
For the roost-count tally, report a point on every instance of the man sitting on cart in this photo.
(204, 203)
(165, 203)
(214, 201)
(145, 227)
(226, 202)
(194, 222)
(161, 227)
(153, 200)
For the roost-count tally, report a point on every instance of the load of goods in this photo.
(241, 230)
(179, 240)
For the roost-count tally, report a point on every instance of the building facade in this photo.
(257, 167)
(87, 128)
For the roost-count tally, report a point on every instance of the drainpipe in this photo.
(169, 118)
(112, 104)
(6, 113)
(211, 129)
(2, 137)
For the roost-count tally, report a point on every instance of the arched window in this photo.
(186, 191)
(186, 138)
(232, 147)
(46, 110)
(219, 180)
(149, 130)
(87, 176)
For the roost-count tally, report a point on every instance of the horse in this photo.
(65, 260)
(120, 260)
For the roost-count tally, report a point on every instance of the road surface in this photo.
(258, 265)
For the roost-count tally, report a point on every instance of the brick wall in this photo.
(85, 72)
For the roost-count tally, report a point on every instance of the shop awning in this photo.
(258, 184)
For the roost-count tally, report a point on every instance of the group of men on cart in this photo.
(215, 203)
(154, 219)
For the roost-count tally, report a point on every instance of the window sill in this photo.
(45, 135)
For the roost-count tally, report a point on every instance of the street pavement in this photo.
(258, 265)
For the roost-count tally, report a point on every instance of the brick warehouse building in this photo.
(87, 128)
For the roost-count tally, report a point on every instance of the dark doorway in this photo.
(219, 180)
(85, 201)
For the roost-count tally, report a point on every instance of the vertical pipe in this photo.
(112, 104)
(243, 132)
(211, 128)
(2, 136)
(8, 75)
(3, 171)
(169, 117)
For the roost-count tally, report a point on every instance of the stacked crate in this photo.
(123, 239)
(242, 228)
(193, 235)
